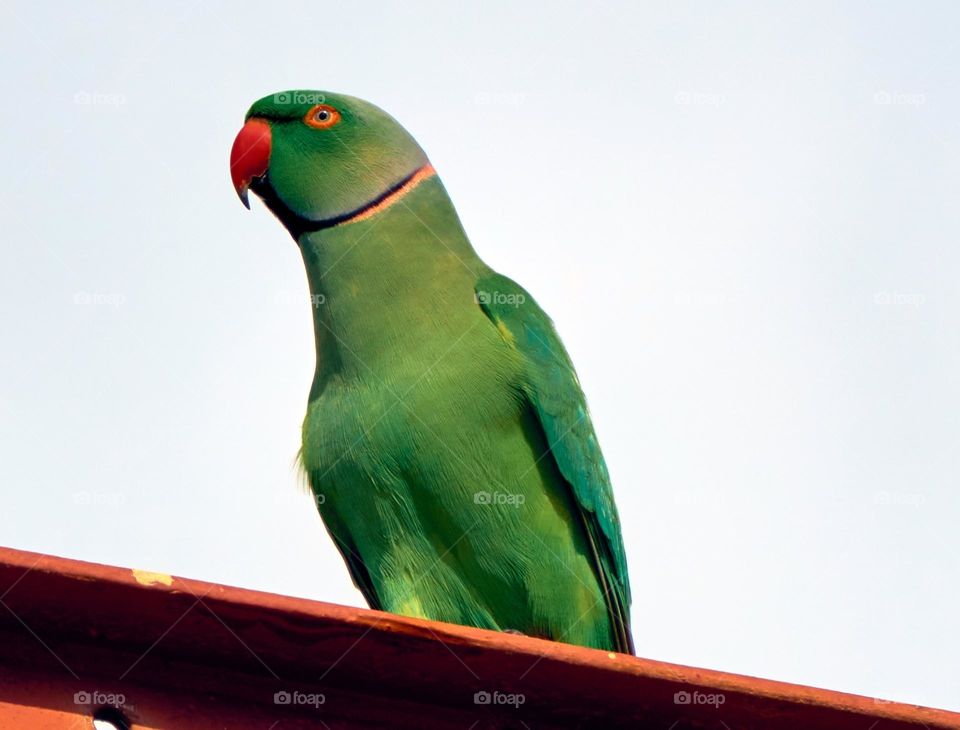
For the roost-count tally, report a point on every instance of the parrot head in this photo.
(317, 158)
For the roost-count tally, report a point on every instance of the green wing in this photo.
(358, 570)
(553, 392)
(337, 530)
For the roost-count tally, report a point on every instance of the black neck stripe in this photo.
(298, 224)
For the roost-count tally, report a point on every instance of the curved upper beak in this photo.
(250, 156)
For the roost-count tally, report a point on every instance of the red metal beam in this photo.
(178, 653)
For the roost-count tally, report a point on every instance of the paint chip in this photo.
(146, 578)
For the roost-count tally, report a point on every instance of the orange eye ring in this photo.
(321, 116)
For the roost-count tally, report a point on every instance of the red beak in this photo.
(250, 156)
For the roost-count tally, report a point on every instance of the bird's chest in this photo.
(376, 433)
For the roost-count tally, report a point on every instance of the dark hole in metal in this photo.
(110, 718)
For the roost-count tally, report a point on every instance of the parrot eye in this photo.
(322, 116)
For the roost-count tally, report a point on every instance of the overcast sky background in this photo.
(743, 220)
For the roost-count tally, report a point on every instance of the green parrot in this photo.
(446, 439)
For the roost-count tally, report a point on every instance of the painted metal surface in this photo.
(177, 653)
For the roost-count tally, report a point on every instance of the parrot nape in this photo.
(446, 437)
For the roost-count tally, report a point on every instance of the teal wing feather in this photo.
(553, 391)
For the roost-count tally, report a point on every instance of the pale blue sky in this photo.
(743, 219)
